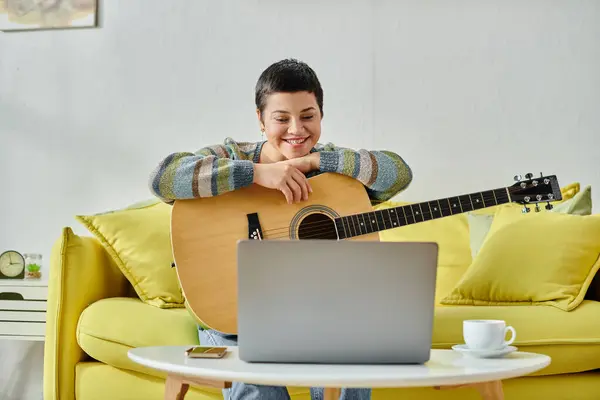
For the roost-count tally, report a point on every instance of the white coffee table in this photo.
(446, 369)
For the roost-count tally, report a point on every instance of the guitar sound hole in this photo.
(317, 226)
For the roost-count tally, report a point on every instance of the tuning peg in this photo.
(528, 175)
(541, 175)
(525, 210)
(549, 206)
(518, 178)
(537, 207)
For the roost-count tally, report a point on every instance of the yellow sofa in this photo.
(94, 317)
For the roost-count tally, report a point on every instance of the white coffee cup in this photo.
(487, 334)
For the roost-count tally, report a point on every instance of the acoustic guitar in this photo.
(205, 231)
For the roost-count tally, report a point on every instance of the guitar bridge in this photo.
(254, 229)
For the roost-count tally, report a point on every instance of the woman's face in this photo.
(291, 123)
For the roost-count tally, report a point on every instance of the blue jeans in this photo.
(245, 391)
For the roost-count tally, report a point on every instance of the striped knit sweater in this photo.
(221, 168)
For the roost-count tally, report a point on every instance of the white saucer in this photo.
(464, 349)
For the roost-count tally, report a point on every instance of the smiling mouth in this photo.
(296, 141)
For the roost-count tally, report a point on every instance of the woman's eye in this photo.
(281, 119)
(308, 117)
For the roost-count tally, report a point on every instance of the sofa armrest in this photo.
(81, 273)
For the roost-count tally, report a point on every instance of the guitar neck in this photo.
(375, 221)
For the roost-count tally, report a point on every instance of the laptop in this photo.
(336, 302)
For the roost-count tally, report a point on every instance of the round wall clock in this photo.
(12, 265)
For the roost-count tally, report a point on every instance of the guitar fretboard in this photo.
(376, 221)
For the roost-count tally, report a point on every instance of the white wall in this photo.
(469, 92)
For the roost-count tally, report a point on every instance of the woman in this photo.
(289, 108)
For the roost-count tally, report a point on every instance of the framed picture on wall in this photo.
(19, 15)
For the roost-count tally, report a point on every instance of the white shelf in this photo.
(16, 337)
(23, 282)
(23, 318)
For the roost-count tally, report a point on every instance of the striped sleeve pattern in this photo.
(210, 171)
(383, 173)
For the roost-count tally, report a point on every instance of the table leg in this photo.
(175, 388)
(487, 390)
(332, 393)
(490, 390)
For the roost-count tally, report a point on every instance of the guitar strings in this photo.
(319, 227)
(312, 233)
(316, 231)
(312, 236)
(322, 224)
(311, 224)
(284, 228)
(325, 227)
(357, 216)
(349, 225)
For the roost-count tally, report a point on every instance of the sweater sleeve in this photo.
(383, 173)
(208, 172)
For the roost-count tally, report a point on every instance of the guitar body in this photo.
(205, 232)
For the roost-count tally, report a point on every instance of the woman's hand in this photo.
(305, 164)
(285, 177)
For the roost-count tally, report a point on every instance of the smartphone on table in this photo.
(206, 352)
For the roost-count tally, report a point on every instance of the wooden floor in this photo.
(22, 365)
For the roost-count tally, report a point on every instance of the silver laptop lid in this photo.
(336, 301)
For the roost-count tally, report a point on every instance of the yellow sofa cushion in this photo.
(450, 233)
(480, 224)
(110, 327)
(138, 239)
(452, 236)
(571, 339)
(540, 259)
(97, 381)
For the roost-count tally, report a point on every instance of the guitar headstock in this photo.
(535, 190)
